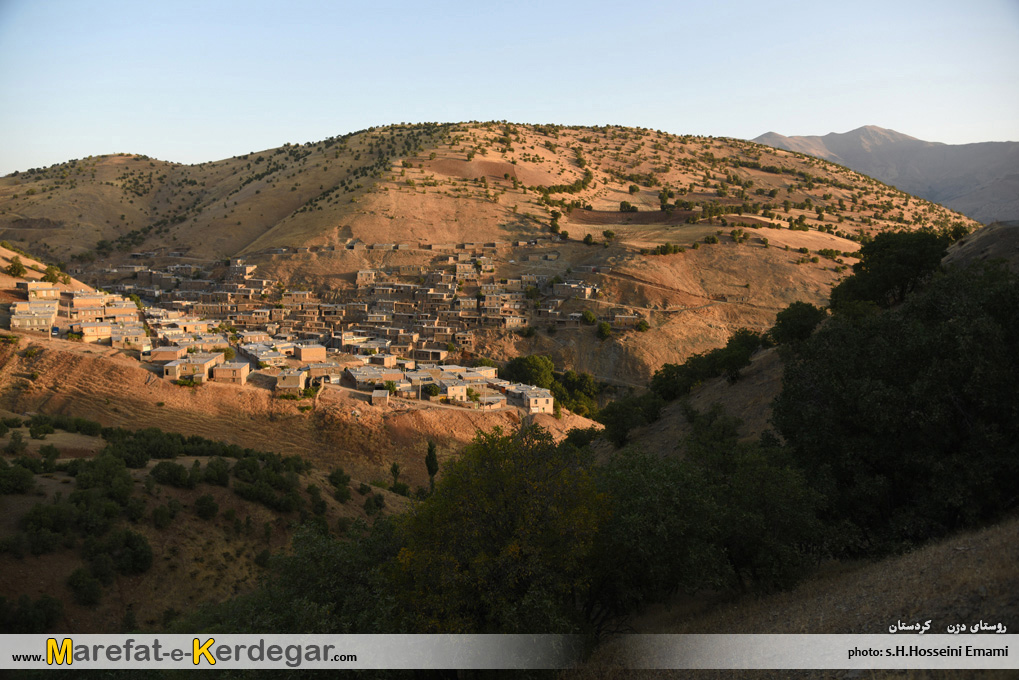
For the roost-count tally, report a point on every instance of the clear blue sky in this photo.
(199, 81)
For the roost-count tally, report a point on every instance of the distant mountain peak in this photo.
(979, 180)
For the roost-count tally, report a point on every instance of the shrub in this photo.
(15, 478)
(206, 507)
(217, 471)
(373, 504)
(85, 588)
(161, 517)
(796, 322)
(173, 474)
(28, 616)
(39, 431)
(262, 558)
(16, 445)
(130, 552)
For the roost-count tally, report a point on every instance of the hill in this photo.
(114, 389)
(749, 228)
(40, 375)
(423, 183)
(980, 180)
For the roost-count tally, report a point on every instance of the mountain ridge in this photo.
(980, 180)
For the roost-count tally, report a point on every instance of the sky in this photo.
(200, 81)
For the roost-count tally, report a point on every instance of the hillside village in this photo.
(387, 337)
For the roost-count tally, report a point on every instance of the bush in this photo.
(135, 509)
(39, 431)
(130, 552)
(622, 415)
(85, 588)
(15, 479)
(262, 558)
(604, 330)
(28, 616)
(16, 445)
(172, 474)
(161, 517)
(796, 322)
(373, 504)
(206, 507)
(217, 471)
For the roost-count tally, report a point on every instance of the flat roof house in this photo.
(235, 372)
(311, 353)
(161, 355)
(291, 381)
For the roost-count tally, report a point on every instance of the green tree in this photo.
(16, 445)
(604, 330)
(665, 551)
(588, 317)
(206, 507)
(891, 266)
(796, 322)
(394, 470)
(85, 588)
(431, 390)
(15, 268)
(534, 370)
(905, 419)
(341, 483)
(763, 510)
(622, 415)
(51, 275)
(486, 552)
(431, 465)
(588, 240)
